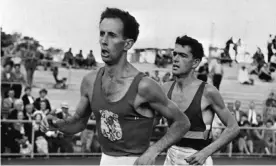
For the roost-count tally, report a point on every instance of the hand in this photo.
(50, 123)
(198, 158)
(145, 159)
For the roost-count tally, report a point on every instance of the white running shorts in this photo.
(177, 155)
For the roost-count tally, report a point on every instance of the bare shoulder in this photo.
(149, 89)
(166, 86)
(213, 95)
(88, 81)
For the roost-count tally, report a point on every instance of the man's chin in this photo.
(176, 73)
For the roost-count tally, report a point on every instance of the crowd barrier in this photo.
(32, 155)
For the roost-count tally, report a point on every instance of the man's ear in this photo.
(196, 62)
(128, 44)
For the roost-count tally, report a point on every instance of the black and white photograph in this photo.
(138, 82)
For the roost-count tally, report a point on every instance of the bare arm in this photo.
(78, 121)
(152, 93)
(232, 128)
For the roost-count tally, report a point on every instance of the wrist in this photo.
(206, 151)
(152, 152)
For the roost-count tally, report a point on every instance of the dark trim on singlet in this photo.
(194, 113)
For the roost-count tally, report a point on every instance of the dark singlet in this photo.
(122, 131)
(194, 137)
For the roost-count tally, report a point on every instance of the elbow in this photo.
(235, 129)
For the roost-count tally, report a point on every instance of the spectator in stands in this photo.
(252, 115)
(68, 57)
(7, 76)
(8, 103)
(271, 100)
(27, 97)
(243, 77)
(156, 76)
(166, 77)
(269, 47)
(272, 64)
(41, 144)
(79, 59)
(238, 113)
(60, 83)
(245, 142)
(217, 73)
(90, 60)
(265, 74)
(29, 110)
(203, 72)
(4, 131)
(42, 94)
(43, 109)
(18, 107)
(258, 58)
(87, 136)
(268, 135)
(65, 140)
(258, 138)
(18, 141)
(243, 119)
(20, 79)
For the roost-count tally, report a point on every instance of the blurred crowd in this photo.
(260, 139)
(28, 111)
(24, 135)
(79, 61)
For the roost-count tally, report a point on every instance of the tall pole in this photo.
(212, 33)
(212, 37)
(0, 41)
(245, 40)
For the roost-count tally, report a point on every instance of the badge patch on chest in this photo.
(110, 126)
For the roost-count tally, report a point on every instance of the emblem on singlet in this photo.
(110, 126)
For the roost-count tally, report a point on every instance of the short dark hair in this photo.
(17, 64)
(43, 91)
(197, 48)
(246, 123)
(131, 26)
(27, 88)
(9, 63)
(269, 121)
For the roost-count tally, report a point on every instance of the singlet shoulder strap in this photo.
(133, 89)
(201, 89)
(170, 90)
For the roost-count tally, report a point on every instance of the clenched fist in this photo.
(51, 123)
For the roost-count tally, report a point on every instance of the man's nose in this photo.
(176, 59)
(104, 40)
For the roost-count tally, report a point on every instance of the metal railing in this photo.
(32, 155)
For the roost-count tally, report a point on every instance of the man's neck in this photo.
(185, 80)
(117, 70)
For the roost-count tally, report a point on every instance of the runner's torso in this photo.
(121, 128)
(192, 101)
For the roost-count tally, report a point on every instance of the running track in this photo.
(95, 161)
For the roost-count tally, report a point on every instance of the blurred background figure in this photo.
(243, 77)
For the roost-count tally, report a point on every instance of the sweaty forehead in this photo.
(114, 25)
(183, 49)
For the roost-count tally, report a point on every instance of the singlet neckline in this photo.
(196, 94)
(124, 96)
